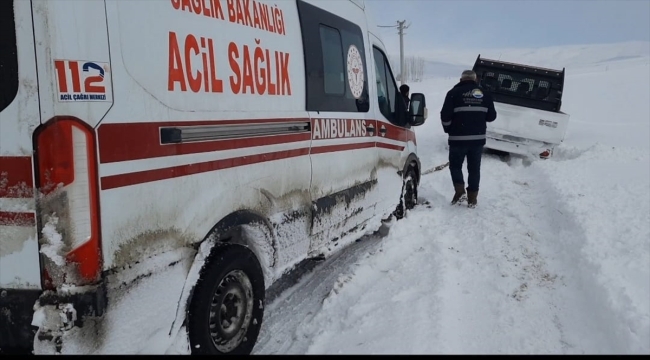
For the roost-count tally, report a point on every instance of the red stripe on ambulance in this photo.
(16, 177)
(17, 218)
(137, 141)
(140, 177)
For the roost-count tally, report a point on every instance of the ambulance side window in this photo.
(387, 93)
(335, 62)
(333, 68)
(8, 55)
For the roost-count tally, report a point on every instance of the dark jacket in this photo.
(465, 114)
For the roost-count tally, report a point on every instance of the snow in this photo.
(129, 326)
(555, 259)
(13, 257)
(53, 246)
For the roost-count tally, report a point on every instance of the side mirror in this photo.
(418, 109)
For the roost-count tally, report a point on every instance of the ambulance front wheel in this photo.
(227, 307)
(409, 194)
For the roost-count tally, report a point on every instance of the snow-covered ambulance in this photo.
(231, 139)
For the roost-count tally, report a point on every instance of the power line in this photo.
(400, 31)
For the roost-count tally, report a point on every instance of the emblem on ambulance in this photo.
(477, 93)
(355, 72)
(81, 80)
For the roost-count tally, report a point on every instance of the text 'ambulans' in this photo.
(339, 128)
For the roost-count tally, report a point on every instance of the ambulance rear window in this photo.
(8, 55)
(333, 69)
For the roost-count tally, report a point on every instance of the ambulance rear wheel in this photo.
(227, 307)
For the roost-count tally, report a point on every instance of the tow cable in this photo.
(437, 168)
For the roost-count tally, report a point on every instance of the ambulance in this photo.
(226, 140)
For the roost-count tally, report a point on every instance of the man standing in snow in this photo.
(404, 90)
(465, 114)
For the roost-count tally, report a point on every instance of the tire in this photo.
(234, 279)
(410, 194)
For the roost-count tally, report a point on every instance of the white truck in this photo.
(528, 101)
(223, 140)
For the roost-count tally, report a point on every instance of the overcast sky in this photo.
(512, 23)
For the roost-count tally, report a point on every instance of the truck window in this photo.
(521, 85)
(8, 55)
(335, 62)
(386, 86)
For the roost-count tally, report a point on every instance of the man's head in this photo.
(404, 90)
(468, 75)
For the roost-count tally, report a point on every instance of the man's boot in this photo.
(460, 194)
(471, 199)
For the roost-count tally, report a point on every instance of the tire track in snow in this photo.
(493, 279)
(352, 292)
(520, 242)
(379, 304)
(487, 282)
(281, 331)
(585, 314)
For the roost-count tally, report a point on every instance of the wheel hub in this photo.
(231, 311)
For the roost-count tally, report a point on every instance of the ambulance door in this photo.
(74, 93)
(343, 151)
(19, 256)
(389, 109)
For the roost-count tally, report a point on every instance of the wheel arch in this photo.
(236, 229)
(413, 161)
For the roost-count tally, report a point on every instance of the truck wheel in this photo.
(410, 194)
(227, 306)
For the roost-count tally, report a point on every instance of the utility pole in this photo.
(400, 30)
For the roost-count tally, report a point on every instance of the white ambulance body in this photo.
(230, 138)
(528, 100)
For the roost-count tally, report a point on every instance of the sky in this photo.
(512, 23)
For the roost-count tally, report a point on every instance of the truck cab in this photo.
(528, 101)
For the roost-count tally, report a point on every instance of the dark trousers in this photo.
(457, 154)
